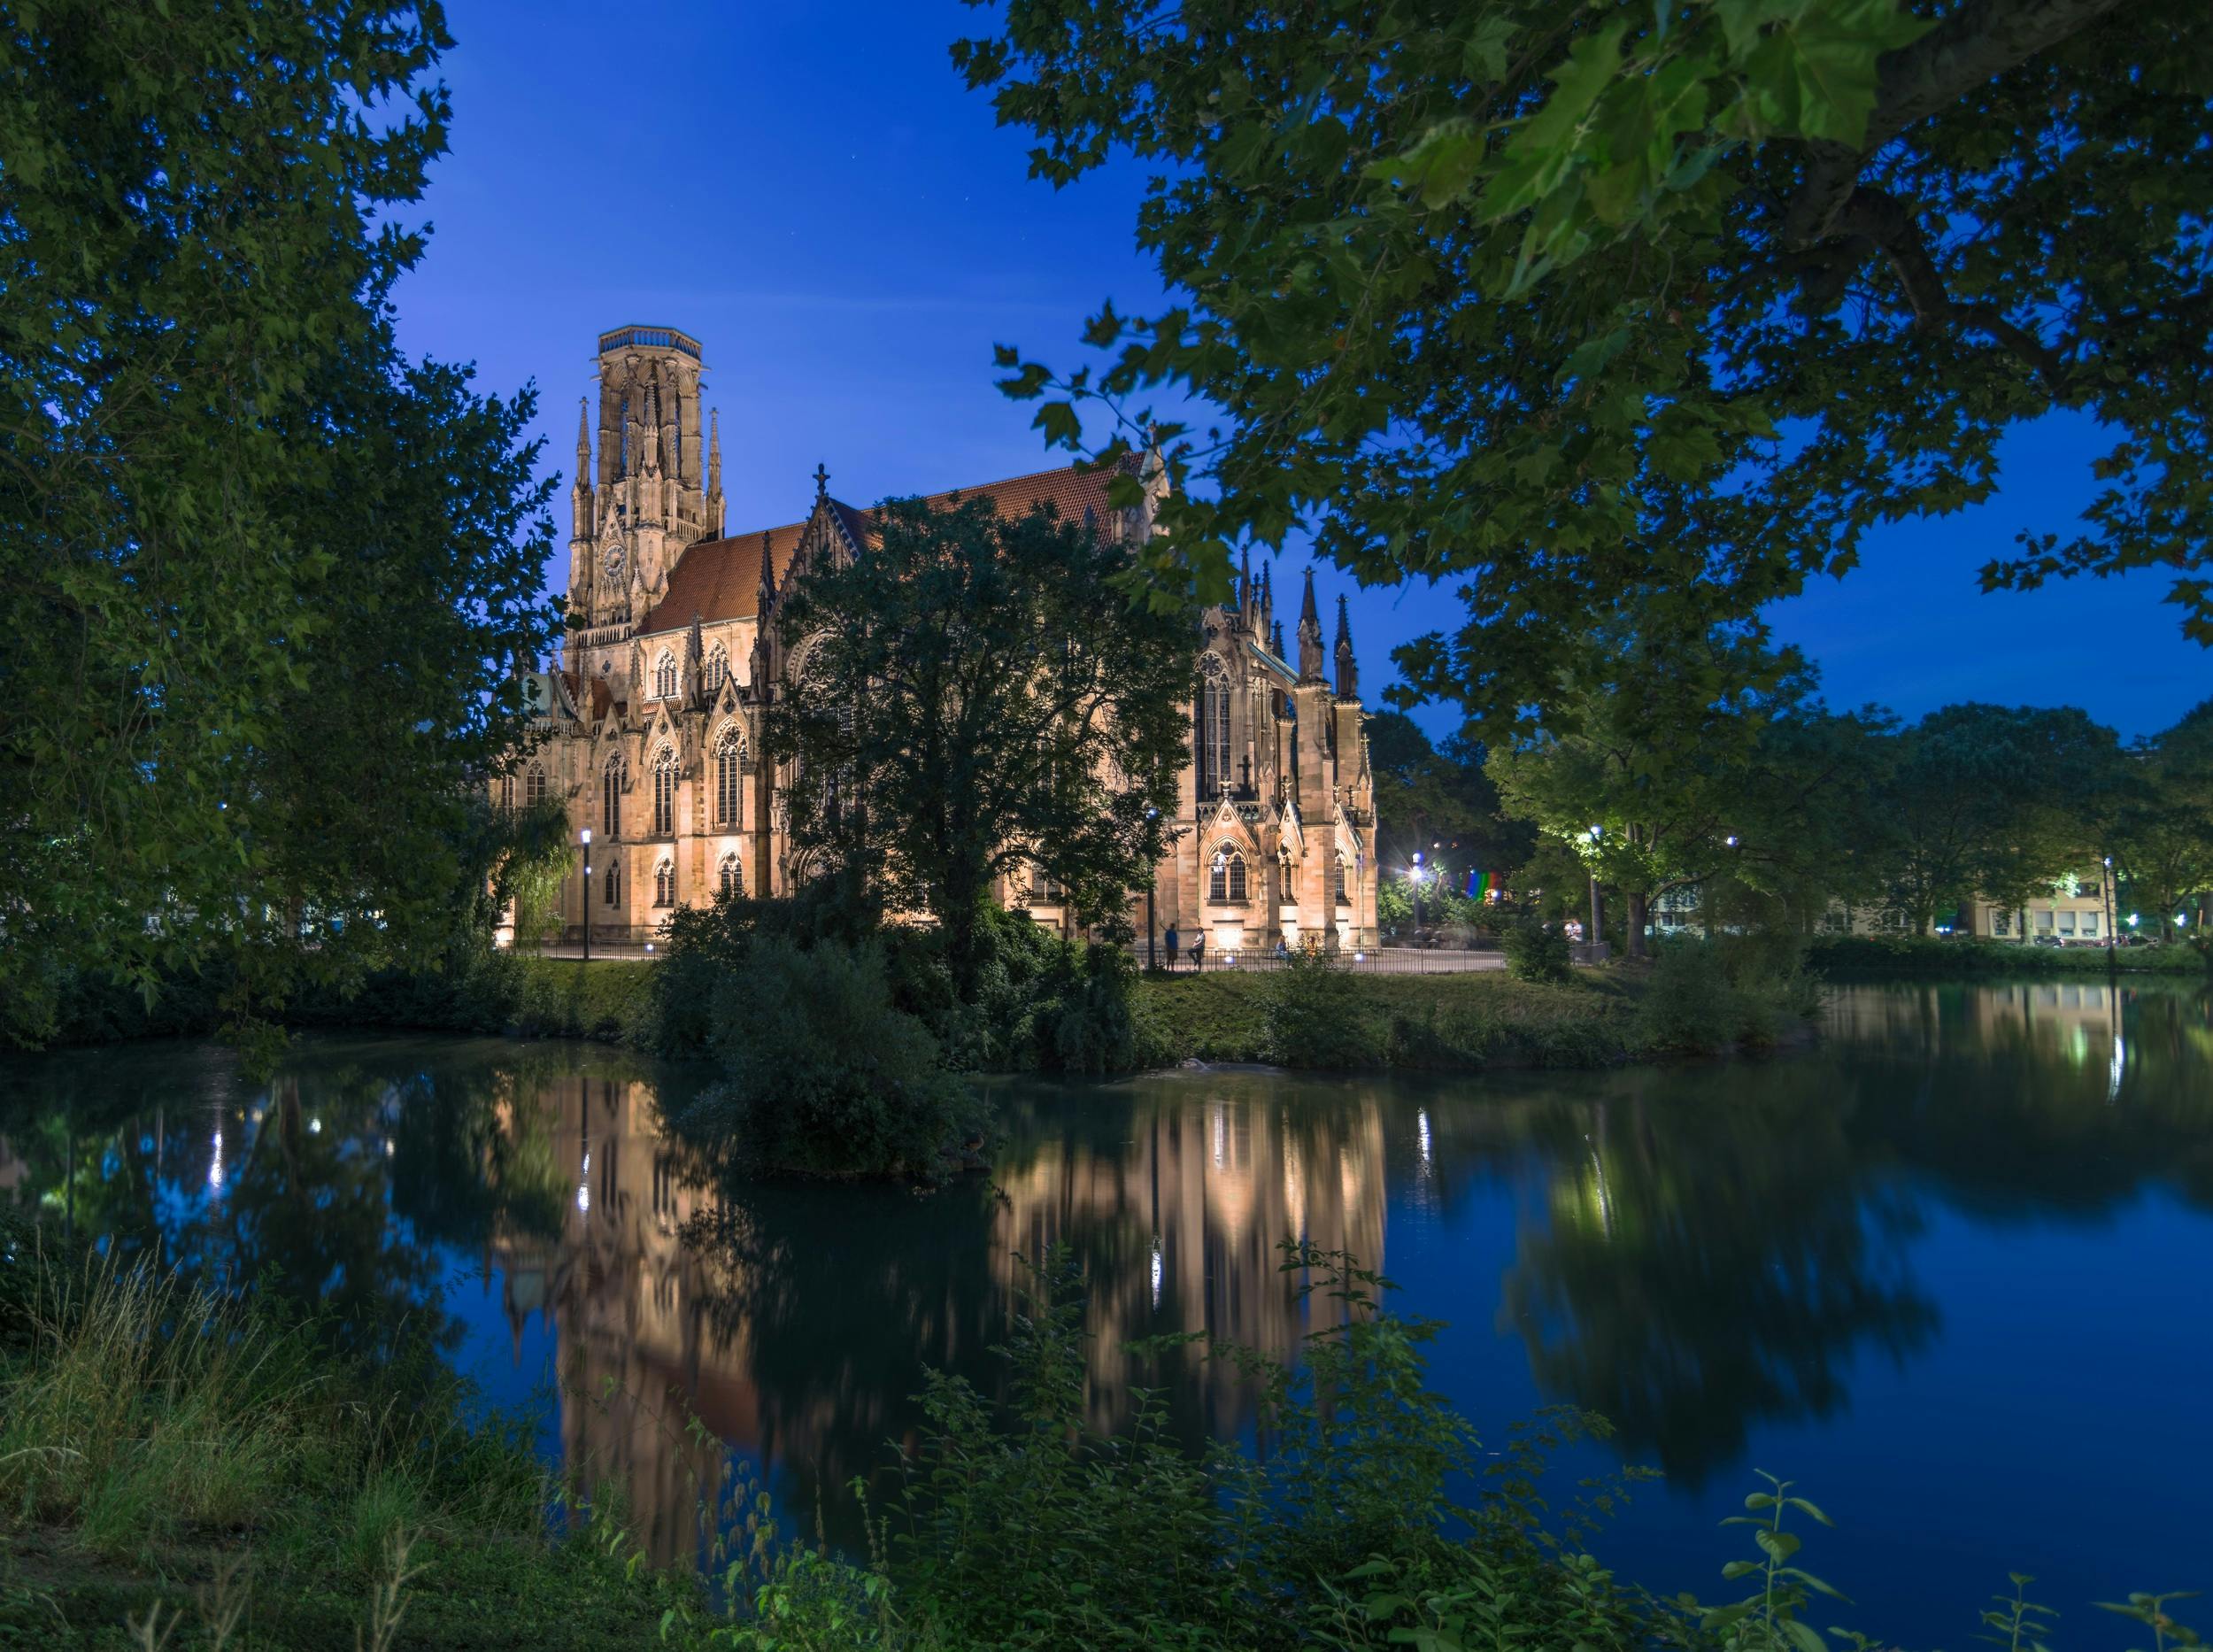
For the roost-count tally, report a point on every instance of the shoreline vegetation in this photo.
(1472, 1022)
(182, 1469)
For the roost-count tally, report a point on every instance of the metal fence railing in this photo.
(1361, 961)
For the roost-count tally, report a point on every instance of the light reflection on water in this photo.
(1949, 1269)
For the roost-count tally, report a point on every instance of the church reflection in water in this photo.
(1696, 1252)
(796, 1325)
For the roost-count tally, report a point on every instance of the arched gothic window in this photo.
(1291, 876)
(664, 884)
(718, 666)
(1225, 879)
(1342, 898)
(665, 677)
(665, 793)
(730, 882)
(507, 794)
(729, 757)
(1044, 889)
(611, 796)
(1214, 725)
(534, 786)
(613, 896)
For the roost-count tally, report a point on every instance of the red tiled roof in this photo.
(720, 579)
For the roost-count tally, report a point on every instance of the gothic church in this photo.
(651, 720)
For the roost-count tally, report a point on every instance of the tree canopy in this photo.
(266, 582)
(1547, 301)
(977, 696)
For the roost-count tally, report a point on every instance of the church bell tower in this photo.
(656, 490)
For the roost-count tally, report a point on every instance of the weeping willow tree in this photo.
(534, 861)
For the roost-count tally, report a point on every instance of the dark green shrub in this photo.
(824, 1076)
(1315, 1019)
(1689, 1005)
(1536, 951)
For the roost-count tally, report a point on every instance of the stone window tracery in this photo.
(1214, 725)
(730, 760)
(1226, 877)
(612, 895)
(665, 793)
(730, 882)
(718, 666)
(611, 796)
(664, 675)
(664, 884)
(534, 786)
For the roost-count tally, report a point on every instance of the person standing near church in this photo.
(1199, 950)
(1174, 941)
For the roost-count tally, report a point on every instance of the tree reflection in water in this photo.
(1700, 1250)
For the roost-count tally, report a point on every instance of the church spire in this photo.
(1246, 609)
(714, 471)
(1347, 673)
(1309, 636)
(581, 514)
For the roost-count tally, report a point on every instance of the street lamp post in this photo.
(2105, 893)
(583, 910)
(1598, 912)
(1417, 897)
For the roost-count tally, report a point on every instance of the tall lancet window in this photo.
(718, 666)
(665, 677)
(611, 796)
(1213, 726)
(729, 757)
(665, 793)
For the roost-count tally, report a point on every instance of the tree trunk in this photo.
(1633, 926)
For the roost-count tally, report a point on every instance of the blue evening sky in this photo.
(808, 190)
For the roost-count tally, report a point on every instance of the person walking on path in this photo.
(1174, 941)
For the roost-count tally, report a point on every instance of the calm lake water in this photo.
(1952, 1270)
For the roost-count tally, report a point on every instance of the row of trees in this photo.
(1664, 763)
(266, 580)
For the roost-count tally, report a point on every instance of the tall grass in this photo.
(150, 1406)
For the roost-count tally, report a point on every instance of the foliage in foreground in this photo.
(174, 1462)
(1551, 301)
(1367, 1514)
(202, 1467)
(246, 726)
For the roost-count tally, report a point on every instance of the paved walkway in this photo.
(1376, 961)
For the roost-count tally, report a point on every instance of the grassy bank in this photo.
(183, 1471)
(1432, 1023)
(1927, 954)
(1695, 1001)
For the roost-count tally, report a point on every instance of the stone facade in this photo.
(650, 722)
